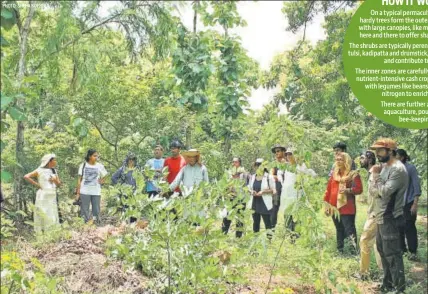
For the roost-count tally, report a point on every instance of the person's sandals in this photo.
(361, 277)
(413, 257)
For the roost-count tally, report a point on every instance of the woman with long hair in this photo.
(46, 205)
(342, 187)
(91, 175)
(262, 189)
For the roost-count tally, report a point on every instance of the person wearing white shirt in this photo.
(91, 175)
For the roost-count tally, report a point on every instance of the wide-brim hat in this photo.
(45, 159)
(384, 143)
(283, 148)
(191, 152)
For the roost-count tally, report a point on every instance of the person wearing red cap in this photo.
(390, 184)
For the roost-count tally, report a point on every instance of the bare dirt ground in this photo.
(84, 267)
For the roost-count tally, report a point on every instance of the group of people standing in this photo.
(393, 193)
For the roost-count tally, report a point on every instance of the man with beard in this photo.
(390, 181)
(368, 236)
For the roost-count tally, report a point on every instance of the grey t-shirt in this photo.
(390, 186)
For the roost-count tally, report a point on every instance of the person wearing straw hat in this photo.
(192, 174)
(262, 188)
(390, 184)
(279, 151)
(46, 205)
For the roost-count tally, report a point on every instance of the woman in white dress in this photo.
(46, 206)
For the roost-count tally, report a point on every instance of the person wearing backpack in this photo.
(262, 188)
(91, 175)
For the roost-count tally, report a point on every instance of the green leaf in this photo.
(17, 277)
(31, 79)
(16, 114)
(197, 100)
(20, 212)
(83, 132)
(3, 41)
(26, 283)
(5, 176)
(77, 122)
(52, 285)
(8, 19)
(5, 101)
(332, 277)
(6, 13)
(2, 145)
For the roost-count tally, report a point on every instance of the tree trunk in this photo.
(227, 145)
(188, 136)
(195, 16)
(19, 151)
(190, 124)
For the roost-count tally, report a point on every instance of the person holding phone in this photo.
(91, 175)
(46, 205)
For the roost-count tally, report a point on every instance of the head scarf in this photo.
(344, 178)
(46, 159)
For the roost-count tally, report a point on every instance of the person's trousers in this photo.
(125, 207)
(132, 219)
(86, 200)
(152, 193)
(367, 241)
(389, 247)
(408, 231)
(239, 225)
(267, 221)
(276, 203)
(289, 222)
(345, 229)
